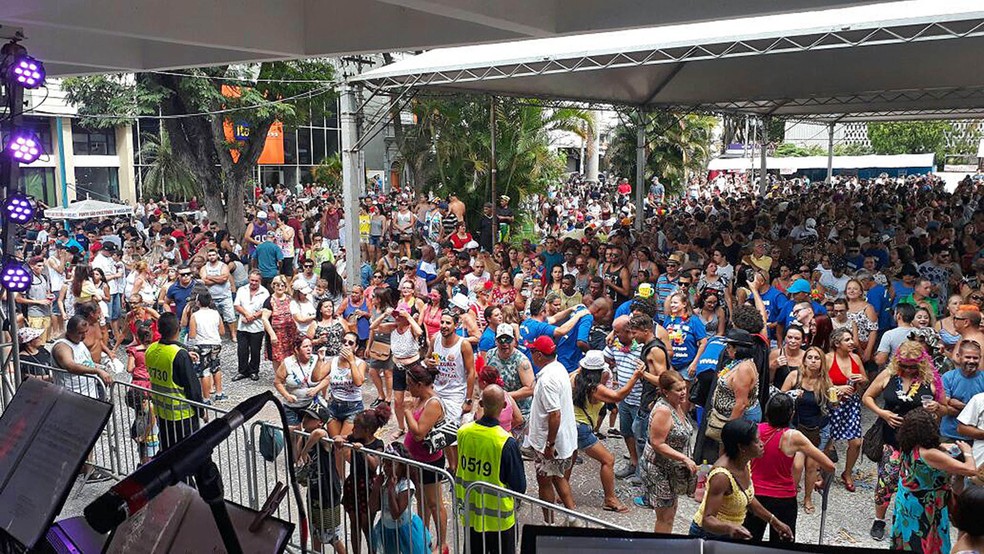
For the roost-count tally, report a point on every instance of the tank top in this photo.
(948, 338)
(85, 386)
(259, 231)
(218, 292)
(589, 414)
(505, 416)
(341, 386)
(403, 344)
(734, 506)
(773, 472)
(432, 320)
(140, 376)
(239, 273)
(361, 324)
(298, 380)
(901, 402)
(416, 448)
(837, 377)
(651, 392)
(615, 275)
(207, 323)
(57, 279)
(451, 383)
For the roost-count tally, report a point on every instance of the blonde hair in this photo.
(282, 280)
(140, 266)
(913, 351)
(823, 383)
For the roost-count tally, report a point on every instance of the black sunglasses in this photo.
(308, 265)
(184, 274)
(348, 342)
(504, 340)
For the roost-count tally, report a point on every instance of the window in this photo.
(290, 146)
(42, 129)
(87, 142)
(98, 183)
(39, 182)
(318, 149)
(304, 145)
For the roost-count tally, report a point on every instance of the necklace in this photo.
(908, 395)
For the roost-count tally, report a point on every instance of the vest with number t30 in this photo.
(160, 366)
(479, 457)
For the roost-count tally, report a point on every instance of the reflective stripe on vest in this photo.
(160, 366)
(479, 459)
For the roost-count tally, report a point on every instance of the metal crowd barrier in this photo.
(527, 510)
(344, 505)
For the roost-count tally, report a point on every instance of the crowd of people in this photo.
(733, 343)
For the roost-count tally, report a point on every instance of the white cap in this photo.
(593, 360)
(261, 214)
(460, 301)
(503, 330)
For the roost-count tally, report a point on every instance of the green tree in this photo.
(197, 104)
(790, 150)
(329, 172)
(449, 147)
(676, 146)
(166, 173)
(910, 137)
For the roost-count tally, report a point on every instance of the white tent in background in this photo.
(85, 209)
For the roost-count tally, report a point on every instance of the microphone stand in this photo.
(208, 481)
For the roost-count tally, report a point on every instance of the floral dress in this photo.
(665, 479)
(283, 325)
(503, 297)
(922, 519)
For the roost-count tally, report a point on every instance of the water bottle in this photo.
(702, 472)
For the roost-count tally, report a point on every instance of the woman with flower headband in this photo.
(905, 384)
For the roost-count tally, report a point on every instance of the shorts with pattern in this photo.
(552, 467)
(225, 309)
(845, 419)
(888, 475)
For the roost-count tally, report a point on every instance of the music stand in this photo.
(46, 433)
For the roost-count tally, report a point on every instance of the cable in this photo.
(309, 94)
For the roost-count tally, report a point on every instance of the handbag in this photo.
(380, 351)
(443, 434)
(874, 441)
(715, 420)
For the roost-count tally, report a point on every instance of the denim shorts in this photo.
(699, 532)
(585, 436)
(225, 309)
(753, 414)
(627, 416)
(115, 306)
(294, 415)
(343, 411)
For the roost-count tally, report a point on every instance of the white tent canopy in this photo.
(86, 209)
(897, 60)
(793, 164)
(96, 36)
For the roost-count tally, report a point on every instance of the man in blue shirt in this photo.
(268, 256)
(877, 296)
(960, 386)
(668, 282)
(538, 325)
(551, 256)
(799, 292)
(774, 301)
(178, 294)
(572, 346)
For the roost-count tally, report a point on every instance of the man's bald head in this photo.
(602, 310)
(493, 400)
(621, 323)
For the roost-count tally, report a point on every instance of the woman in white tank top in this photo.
(344, 374)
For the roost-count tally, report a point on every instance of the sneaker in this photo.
(221, 396)
(878, 530)
(625, 470)
(254, 377)
(573, 522)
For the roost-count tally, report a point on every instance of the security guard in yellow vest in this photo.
(172, 374)
(488, 453)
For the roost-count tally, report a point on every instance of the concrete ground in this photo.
(848, 520)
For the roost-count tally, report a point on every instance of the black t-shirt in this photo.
(42, 358)
(732, 252)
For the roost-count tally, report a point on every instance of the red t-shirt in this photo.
(624, 188)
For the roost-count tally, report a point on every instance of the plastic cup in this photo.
(926, 399)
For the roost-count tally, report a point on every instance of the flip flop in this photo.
(809, 509)
(849, 486)
(617, 509)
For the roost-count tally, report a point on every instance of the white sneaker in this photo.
(573, 522)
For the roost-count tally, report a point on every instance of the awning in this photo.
(794, 164)
(899, 60)
(85, 209)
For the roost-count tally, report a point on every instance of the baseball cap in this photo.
(544, 345)
(317, 411)
(261, 215)
(504, 330)
(799, 285)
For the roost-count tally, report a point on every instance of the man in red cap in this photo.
(552, 429)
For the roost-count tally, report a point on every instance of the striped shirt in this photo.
(626, 362)
(664, 288)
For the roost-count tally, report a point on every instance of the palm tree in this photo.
(166, 173)
(676, 146)
(449, 148)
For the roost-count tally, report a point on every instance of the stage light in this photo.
(17, 208)
(26, 72)
(23, 146)
(15, 276)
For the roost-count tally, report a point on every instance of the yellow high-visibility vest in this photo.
(160, 366)
(479, 459)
